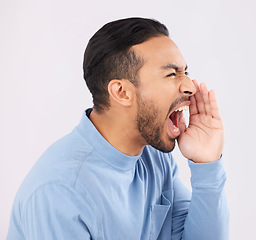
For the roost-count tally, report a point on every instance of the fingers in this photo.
(193, 105)
(205, 95)
(214, 106)
(199, 99)
(204, 101)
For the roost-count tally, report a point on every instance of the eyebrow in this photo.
(174, 66)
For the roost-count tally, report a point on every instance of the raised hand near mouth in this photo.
(203, 139)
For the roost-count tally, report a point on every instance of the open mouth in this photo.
(175, 119)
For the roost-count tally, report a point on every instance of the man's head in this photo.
(163, 93)
(108, 55)
(134, 63)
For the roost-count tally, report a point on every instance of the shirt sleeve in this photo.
(204, 215)
(56, 211)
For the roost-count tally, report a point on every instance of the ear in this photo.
(121, 91)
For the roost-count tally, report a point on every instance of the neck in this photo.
(119, 129)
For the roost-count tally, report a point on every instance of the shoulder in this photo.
(57, 204)
(58, 166)
(58, 195)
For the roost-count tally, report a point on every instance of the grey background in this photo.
(43, 95)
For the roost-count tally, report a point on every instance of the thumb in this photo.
(182, 124)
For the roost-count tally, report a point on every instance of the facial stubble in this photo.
(148, 124)
(150, 127)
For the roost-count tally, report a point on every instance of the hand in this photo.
(203, 139)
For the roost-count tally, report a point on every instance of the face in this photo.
(163, 92)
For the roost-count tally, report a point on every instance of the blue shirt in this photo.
(84, 188)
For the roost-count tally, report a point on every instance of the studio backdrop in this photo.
(43, 94)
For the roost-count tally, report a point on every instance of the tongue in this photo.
(173, 123)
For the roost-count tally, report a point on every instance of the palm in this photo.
(203, 140)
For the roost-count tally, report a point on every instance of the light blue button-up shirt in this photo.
(84, 188)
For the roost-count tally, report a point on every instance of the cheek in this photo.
(166, 92)
(161, 91)
(164, 100)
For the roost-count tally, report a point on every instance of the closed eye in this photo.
(171, 75)
(174, 74)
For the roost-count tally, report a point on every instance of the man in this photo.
(113, 176)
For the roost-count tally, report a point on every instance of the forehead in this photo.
(158, 52)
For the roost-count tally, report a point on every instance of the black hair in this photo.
(108, 55)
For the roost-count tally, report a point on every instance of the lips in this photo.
(174, 119)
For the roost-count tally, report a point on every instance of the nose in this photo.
(187, 87)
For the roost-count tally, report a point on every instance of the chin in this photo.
(168, 149)
(163, 146)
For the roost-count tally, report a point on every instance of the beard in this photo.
(150, 127)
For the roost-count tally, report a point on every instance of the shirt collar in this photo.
(110, 154)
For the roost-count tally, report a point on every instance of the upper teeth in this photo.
(182, 108)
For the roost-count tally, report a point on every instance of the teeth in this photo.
(185, 108)
(175, 128)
